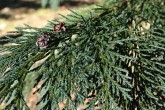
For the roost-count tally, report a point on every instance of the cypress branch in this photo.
(113, 59)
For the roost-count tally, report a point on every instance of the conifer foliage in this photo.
(113, 59)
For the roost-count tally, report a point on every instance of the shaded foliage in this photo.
(115, 55)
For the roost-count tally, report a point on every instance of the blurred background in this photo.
(37, 13)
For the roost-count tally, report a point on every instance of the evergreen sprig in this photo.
(114, 59)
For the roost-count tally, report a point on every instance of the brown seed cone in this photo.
(43, 41)
(60, 27)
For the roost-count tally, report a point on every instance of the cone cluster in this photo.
(44, 40)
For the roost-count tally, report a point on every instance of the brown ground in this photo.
(30, 12)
